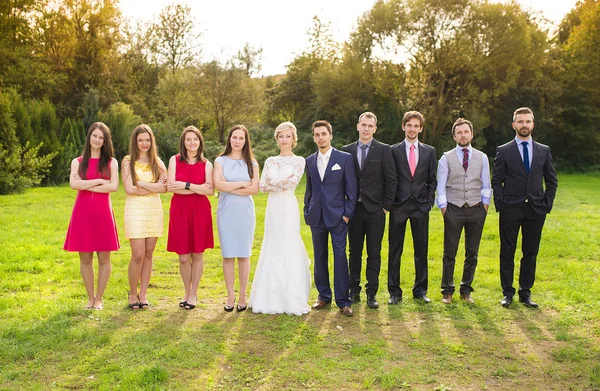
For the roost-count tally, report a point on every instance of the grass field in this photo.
(48, 342)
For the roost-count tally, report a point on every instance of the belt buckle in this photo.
(465, 205)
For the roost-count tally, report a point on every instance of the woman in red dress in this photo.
(189, 177)
(92, 228)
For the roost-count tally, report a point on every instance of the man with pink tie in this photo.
(416, 169)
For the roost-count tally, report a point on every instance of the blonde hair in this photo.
(368, 114)
(282, 127)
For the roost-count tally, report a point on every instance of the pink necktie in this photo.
(412, 160)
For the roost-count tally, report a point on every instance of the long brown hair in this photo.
(106, 152)
(247, 154)
(134, 153)
(183, 156)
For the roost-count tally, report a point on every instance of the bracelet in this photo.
(187, 185)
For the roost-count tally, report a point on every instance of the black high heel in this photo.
(241, 308)
(189, 306)
(229, 308)
(132, 306)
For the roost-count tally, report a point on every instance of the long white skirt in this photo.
(282, 278)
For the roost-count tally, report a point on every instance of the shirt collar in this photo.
(459, 148)
(327, 154)
(407, 144)
(519, 141)
(367, 144)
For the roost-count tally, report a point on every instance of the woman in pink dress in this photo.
(94, 175)
(190, 218)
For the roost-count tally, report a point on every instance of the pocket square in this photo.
(336, 167)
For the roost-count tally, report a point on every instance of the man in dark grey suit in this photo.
(376, 181)
(521, 168)
(415, 167)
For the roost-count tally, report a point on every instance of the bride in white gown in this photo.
(282, 278)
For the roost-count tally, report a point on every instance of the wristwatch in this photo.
(187, 185)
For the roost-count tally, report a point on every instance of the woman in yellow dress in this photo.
(143, 181)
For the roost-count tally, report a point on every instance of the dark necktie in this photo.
(363, 155)
(465, 158)
(525, 155)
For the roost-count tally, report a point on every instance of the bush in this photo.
(21, 166)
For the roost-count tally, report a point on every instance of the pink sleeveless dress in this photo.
(92, 227)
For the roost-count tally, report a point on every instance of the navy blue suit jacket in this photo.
(333, 197)
(512, 184)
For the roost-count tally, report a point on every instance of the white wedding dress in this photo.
(282, 278)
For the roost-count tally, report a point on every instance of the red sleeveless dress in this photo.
(190, 216)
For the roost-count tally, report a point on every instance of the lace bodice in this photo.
(281, 173)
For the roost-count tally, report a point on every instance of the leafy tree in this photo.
(176, 37)
(578, 106)
(249, 60)
(121, 120)
(227, 96)
(89, 108)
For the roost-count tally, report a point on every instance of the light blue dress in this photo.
(235, 214)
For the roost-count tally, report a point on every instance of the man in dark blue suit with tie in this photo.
(329, 204)
(521, 168)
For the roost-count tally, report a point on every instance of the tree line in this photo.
(65, 64)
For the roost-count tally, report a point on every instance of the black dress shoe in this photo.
(528, 302)
(354, 297)
(372, 302)
(425, 299)
(394, 299)
(506, 301)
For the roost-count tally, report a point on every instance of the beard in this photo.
(524, 132)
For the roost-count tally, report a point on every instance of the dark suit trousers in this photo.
(472, 219)
(371, 226)
(419, 226)
(341, 281)
(513, 218)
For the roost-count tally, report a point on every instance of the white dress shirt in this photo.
(322, 161)
(442, 178)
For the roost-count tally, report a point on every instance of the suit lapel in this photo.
(353, 150)
(403, 158)
(536, 154)
(332, 160)
(313, 166)
(517, 154)
(370, 153)
(422, 153)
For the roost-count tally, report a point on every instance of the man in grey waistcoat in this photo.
(463, 195)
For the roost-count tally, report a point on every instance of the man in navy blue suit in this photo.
(329, 204)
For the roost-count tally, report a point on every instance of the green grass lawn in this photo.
(47, 341)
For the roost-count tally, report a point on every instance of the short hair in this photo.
(322, 122)
(368, 114)
(461, 121)
(522, 110)
(282, 127)
(413, 114)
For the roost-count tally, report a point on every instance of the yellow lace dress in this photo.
(143, 214)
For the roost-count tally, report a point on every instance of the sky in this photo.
(280, 27)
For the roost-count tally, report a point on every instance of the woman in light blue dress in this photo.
(236, 178)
